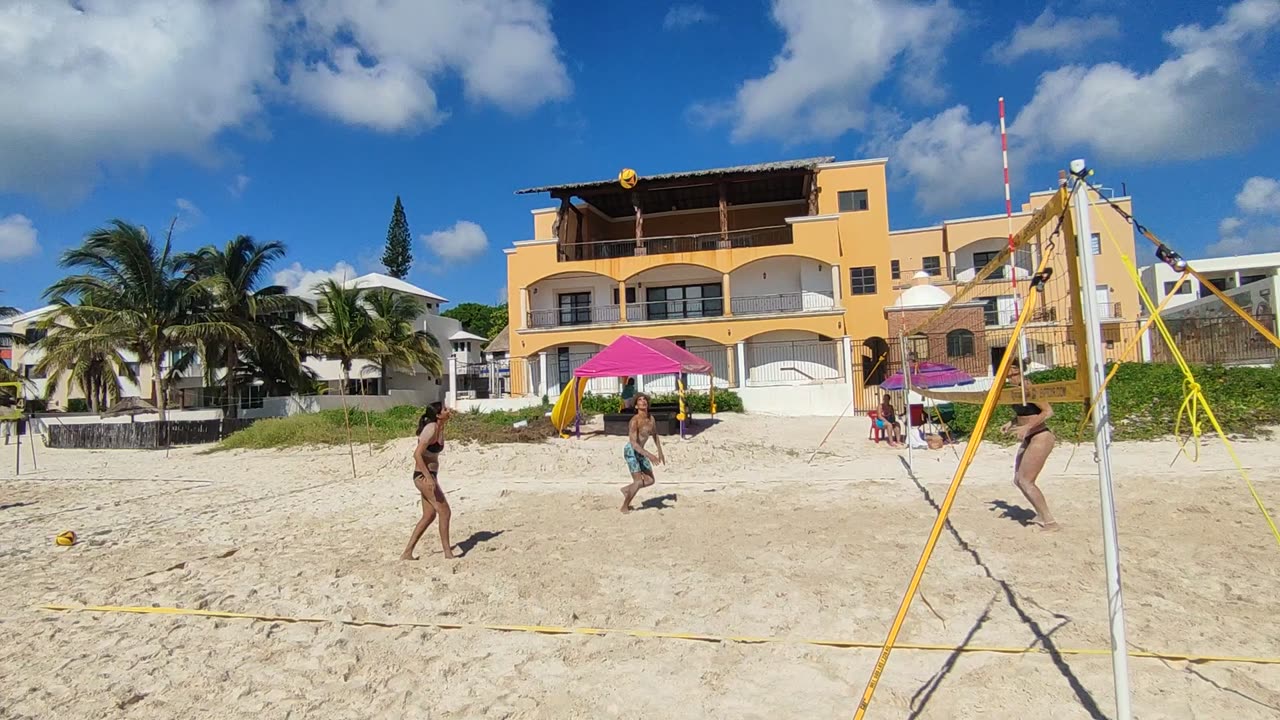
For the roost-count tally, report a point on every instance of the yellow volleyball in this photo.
(65, 539)
(628, 178)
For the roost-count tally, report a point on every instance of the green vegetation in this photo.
(397, 256)
(328, 428)
(1145, 401)
(478, 318)
(696, 402)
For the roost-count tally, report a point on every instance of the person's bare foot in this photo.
(1051, 526)
(408, 556)
(626, 501)
(448, 555)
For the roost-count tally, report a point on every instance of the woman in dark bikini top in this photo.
(1036, 442)
(426, 471)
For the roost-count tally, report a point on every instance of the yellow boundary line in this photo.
(656, 634)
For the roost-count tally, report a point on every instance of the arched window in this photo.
(875, 363)
(960, 343)
(918, 345)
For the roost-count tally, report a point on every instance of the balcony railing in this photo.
(688, 309)
(810, 301)
(672, 244)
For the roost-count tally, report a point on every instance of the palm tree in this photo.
(137, 295)
(344, 328)
(231, 278)
(90, 359)
(394, 340)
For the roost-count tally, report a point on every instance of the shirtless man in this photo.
(639, 460)
(426, 478)
(1036, 442)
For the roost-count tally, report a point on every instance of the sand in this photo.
(740, 537)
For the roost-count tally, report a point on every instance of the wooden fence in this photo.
(141, 435)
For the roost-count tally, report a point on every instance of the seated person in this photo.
(889, 421)
(628, 393)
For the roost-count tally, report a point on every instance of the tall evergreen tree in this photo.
(397, 258)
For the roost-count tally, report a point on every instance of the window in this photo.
(1184, 290)
(895, 270)
(5, 341)
(1220, 283)
(918, 346)
(932, 265)
(575, 308)
(960, 344)
(852, 200)
(1095, 244)
(34, 335)
(1246, 279)
(990, 311)
(862, 281)
(563, 366)
(32, 374)
(684, 301)
(134, 368)
(980, 260)
(631, 296)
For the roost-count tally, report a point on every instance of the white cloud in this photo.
(238, 185)
(119, 83)
(684, 16)
(17, 238)
(833, 57)
(300, 280)
(1259, 195)
(1259, 231)
(189, 214)
(1053, 35)
(464, 241)
(1201, 102)
(381, 62)
(948, 158)
(104, 85)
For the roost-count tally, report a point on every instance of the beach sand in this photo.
(740, 537)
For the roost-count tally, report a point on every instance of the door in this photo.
(1104, 301)
(997, 353)
(575, 308)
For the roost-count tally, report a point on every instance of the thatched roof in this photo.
(758, 168)
(500, 342)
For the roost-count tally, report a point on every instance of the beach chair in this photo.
(876, 432)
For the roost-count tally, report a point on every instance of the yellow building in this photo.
(779, 274)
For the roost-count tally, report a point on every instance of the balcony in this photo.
(676, 310)
(676, 244)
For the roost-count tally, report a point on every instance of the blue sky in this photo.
(300, 121)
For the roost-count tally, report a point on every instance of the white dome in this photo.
(922, 296)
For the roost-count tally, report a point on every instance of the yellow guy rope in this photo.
(1193, 396)
(971, 449)
(652, 634)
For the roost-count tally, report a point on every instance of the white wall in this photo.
(826, 400)
(493, 404)
(788, 357)
(549, 290)
(1263, 294)
(782, 276)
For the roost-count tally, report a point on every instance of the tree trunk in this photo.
(233, 407)
(157, 383)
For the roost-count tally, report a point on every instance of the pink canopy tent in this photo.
(630, 355)
(642, 356)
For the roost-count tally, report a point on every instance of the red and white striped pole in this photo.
(1013, 266)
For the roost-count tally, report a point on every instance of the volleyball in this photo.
(628, 178)
(66, 539)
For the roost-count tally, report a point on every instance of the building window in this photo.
(631, 296)
(1095, 244)
(960, 344)
(34, 335)
(684, 301)
(134, 368)
(862, 281)
(990, 311)
(852, 200)
(895, 270)
(1184, 290)
(33, 374)
(918, 347)
(980, 260)
(563, 367)
(932, 265)
(575, 308)
(1247, 279)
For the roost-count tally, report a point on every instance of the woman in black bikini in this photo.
(1037, 442)
(426, 471)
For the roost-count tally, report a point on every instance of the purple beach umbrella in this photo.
(929, 375)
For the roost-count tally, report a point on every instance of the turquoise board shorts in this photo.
(635, 461)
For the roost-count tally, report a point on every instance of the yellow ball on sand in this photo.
(65, 539)
(628, 178)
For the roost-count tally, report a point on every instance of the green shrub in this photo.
(328, 428)
(696, 402)
(1145, 401)
(77, 405)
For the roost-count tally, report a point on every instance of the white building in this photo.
(1225, 273)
